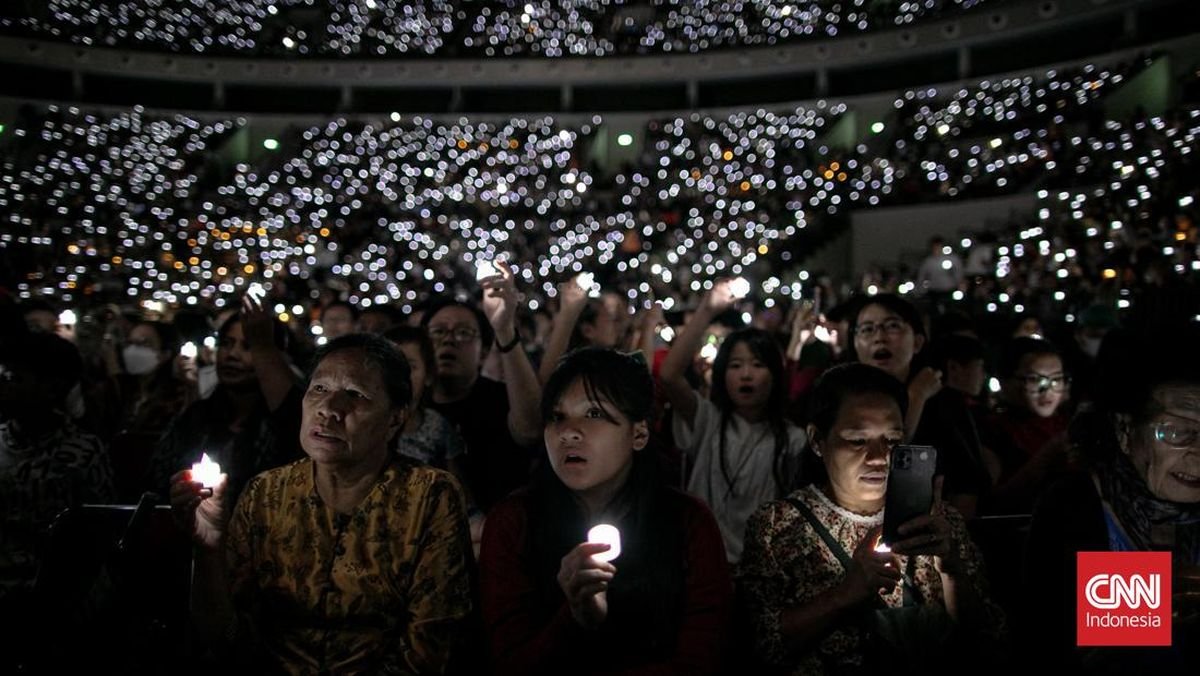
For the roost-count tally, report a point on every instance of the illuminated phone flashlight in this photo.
(206, 472)
(485, 269)
(257, 292)
(587, 282)
(740, 288)
(210, 342)
(67, 318)
(188, 351)
(666, 333)
(708, 353)
(607, 535)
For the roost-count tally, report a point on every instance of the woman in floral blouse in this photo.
(816, 588)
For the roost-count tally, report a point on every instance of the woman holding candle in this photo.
(354, 559)
(550, 604)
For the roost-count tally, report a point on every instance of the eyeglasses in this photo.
(458, 335)
(1180, 433)
(1036, 382)
(892, 327)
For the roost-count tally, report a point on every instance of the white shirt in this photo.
(749, 458)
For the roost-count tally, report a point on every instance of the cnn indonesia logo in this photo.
(1124, 599)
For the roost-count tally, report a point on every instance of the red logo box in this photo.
(1123, 599)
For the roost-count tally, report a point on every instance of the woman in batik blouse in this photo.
(352, 560)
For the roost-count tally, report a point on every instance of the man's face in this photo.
(456, 343)
(337, 321)
(235, 362)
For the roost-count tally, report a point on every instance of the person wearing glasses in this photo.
(499, 421)
(1139, 491)
(1026, 439)
(889, 334)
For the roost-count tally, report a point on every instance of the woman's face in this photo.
(417, 370)
(348, 418)
(591, 445)
(884, 340)
(1166, 449)
(1040, 384)
(747, 379)
(857, 449)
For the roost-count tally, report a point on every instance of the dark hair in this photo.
(892, 303)
(382, 354)
(590, 313)
(1018, 349)
(48, 356)
(957, 348)
(340, 303)
(830, 393)
(607, 374)
(411, 335)
(279, 332)
(486, 334)
(168, 337)
(393, 314)
(764, 348)
(649, 591)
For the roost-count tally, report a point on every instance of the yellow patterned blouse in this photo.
(384, 590)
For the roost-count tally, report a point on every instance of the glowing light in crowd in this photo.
(206, 472)
(67, 318)
(484, 270)
(609, 535)
(188, 350)
(740, 288)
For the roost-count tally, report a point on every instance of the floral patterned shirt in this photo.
(384, 590)
(786, 564)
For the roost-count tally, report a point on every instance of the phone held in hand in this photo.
(909, 488)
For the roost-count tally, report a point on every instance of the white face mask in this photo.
(139, 360)
(1090, 346)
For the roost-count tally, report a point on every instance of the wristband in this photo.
(516, 340)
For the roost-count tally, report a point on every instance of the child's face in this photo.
(591, 444)
(1040, 385)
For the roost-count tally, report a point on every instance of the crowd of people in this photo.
(429, 357)
(446, 28)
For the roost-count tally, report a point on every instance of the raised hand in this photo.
(500, 300)
(584, 580)
(719, 298)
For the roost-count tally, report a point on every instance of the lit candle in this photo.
(188, 351)
(485, 269)
(608, 535)
(206, 472)
(740, 288)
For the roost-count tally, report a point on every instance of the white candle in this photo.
(608, 535)
(206, 472)
(740, 288)
(188, 351)
(485, 269)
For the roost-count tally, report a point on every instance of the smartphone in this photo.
(909, 488)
